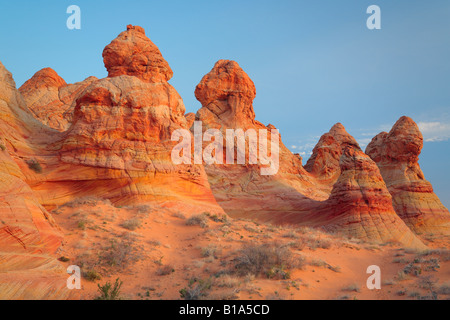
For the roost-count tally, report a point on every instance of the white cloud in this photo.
(434, 131)
(303, 150)
(363, 142)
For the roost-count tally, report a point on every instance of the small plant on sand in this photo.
(198, 220)
(272, 260)
(131, 224)
(209, 251)
(353, 287)
(413, 269)
(2, 147)
(196, 289)
(121, 252)
(109, 291)
(444, 289)
(82, 224)
(429, 283)
(165, 270)
(92, 275)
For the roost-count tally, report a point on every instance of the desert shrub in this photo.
(401, 275)
(336, 269)
(401, 292)
(34, 165)
(414, 294)
(82, 224)
(155, 243)
(320, 243)
(131, 224)
(399, 260)
(2, 147)
(444, 289)
(318, 263)
(298, 245)
(165, 270)
(198, 220)
(353, 287)
(90, 201)
(276, 296)
(63, 259)
(209, 251)
(143, 208)
(92, 275)
(179, 215)
(413, 269)
(268, 259)
(109, 291)
(216, 218)
(228, 281)
(278, 273)
(428, 283)
(290, 234)
(196, 289)
(120, 253)
(432, 264)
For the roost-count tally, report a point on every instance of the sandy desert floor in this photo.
(158, 253)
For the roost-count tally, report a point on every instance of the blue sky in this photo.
(314, 62)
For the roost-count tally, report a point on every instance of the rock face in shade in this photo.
(51, 99)
(324, 161)
(227, 94)
(132, 53)
(360, 204)
(119, 145)
(29, 236)
(396, 154)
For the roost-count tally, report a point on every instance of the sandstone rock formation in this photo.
(113, 140)
(119, 144)
(132, 53)
(190, 118)
(28, 234)
(227, 94)
(360, 204)
(396, 154)
(51, 99)
(324, 161)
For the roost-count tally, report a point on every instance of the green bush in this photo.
(110, 292)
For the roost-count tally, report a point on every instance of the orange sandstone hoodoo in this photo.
(51, 99)
(396, 154)
(359, 205)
